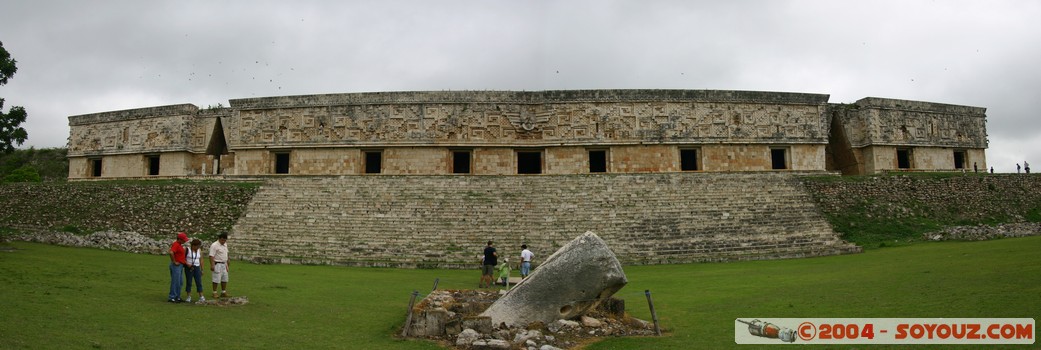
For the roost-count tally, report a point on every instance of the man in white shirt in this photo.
(219, 264)
(526, 257)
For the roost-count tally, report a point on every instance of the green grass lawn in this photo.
(58, 297)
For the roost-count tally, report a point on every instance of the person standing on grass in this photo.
(177, 262)
(504, 272)
(488, 266)
(194, 270)
(526, 256)
(219, 264)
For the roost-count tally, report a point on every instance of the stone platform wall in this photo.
(444, 221)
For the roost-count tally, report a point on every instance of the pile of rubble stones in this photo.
(460, 327)
(984, 232)
(112, 240)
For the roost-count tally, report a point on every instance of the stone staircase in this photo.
(445, 221)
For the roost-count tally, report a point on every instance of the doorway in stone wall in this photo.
(903, 158)
(959, 160)
(597, 161)
(153, 164)
(218, 146)
(529, 162)
(779, 158)
(461, 161)
(95, 167)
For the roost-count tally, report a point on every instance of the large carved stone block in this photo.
(572, 281)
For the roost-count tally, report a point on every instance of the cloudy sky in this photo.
(79, 57)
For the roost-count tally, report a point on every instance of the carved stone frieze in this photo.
(876, 121)
(519, 124)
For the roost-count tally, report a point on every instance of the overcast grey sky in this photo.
(79, 57)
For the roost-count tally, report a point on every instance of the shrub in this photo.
(24, 174)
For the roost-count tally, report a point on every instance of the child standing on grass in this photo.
(504, 271)
(194, 270)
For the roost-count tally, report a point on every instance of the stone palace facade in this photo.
(528, 132)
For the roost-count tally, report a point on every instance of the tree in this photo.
(11, 133)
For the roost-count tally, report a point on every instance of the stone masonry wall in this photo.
(952, 199)
(444, 221)
(866, 135)
(417, 130)
(154, 210)
(534, 123)
(877, 121)
(502, 160)
(426, 221)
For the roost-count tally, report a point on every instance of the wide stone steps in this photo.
(427, 221)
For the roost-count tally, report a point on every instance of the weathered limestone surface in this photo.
(642, 130)
(443, 221)
(182, 127)
(880, 121)
(539, 118)
(570, 283)
(867, 135)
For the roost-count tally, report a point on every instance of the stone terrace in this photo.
(444, 221)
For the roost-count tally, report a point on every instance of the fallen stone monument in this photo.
(563, 303)
(570, 283)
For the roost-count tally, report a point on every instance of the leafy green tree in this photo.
(11, 133)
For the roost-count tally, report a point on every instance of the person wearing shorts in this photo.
(219, 264)
(488, 266)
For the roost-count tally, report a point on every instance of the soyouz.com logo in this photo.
(884, 331)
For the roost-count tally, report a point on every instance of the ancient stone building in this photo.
(876, 134)
(539, 132)
(666, 176)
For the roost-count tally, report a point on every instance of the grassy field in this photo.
(58, 297)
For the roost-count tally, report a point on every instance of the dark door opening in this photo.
(688, 159)
(598, 161)
(959, 159)
(373, 162)
(529, 162)
(95, 167)
(778, 158)
(218, 145)
(903, 159)
(460, 162)
(281, 163)
(153, 165)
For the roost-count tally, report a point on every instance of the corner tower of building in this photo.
(877, 135)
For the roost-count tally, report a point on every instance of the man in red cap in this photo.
(177, 263)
